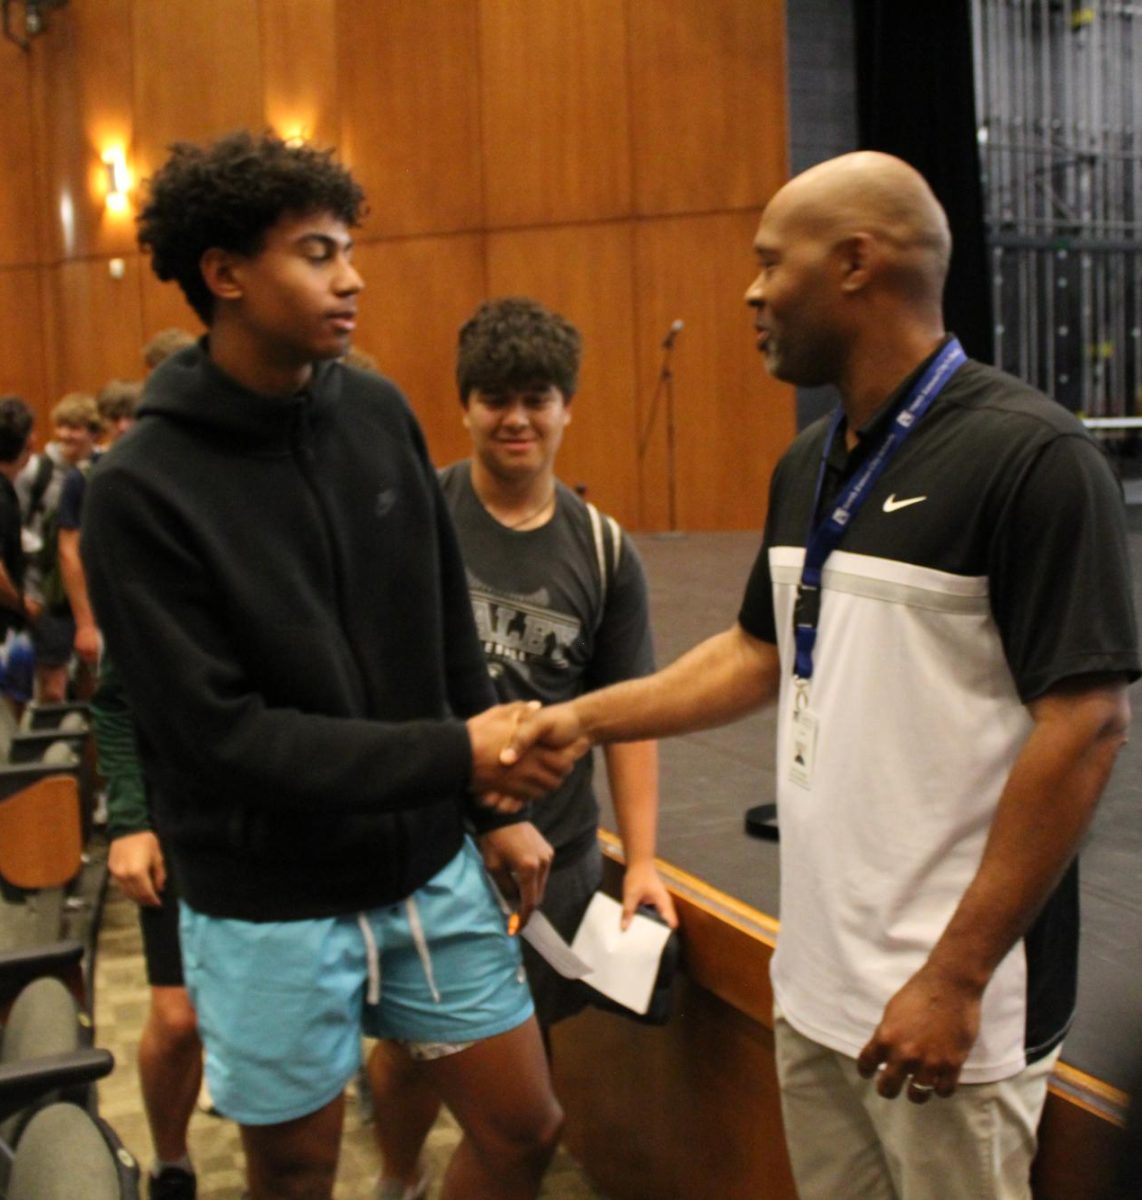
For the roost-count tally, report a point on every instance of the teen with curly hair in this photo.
(278, 581)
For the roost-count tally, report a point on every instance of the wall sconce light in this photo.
(118, 180)
(295, 134)
(35, 20)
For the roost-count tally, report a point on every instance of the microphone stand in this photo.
(664, 387)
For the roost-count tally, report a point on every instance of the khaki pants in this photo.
(846, 1142)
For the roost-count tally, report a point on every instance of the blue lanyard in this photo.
(826, 536)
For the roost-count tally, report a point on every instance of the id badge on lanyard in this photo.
(802, 739)
(825, 536)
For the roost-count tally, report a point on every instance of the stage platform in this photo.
(710, 779)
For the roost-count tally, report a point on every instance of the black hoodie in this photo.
(279, 584)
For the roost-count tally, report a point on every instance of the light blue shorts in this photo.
(282, 1005)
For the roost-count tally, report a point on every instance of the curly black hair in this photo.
(515, 343)
(228, 194)
(15, 427)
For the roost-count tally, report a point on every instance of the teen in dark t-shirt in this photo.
(560, 604)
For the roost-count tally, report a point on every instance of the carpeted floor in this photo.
(120, 1007)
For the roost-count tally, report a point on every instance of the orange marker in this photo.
(513, 924)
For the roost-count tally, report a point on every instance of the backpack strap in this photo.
(601, 527)
(40, 481)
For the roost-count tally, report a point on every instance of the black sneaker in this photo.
(173, 1183)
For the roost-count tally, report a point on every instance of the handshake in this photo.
(521, 751)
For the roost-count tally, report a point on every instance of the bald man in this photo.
(941, 609)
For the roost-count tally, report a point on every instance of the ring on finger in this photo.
(921, 1087)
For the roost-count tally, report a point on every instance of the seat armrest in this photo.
(63, 959)
(48, 716)
(14, 777)
(21, 966)
(30, 747)
(22, 1083)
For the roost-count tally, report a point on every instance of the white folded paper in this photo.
(547, 943)
(622, 964)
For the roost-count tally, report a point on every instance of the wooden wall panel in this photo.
(732, 420)
(20, 202)
(198, 73)
(585, 272)
(162, 305)
(410, 113)
(708, 126)
(299, 56)
(504, 145)
(1078, 1149)
(50, 322)
(85, 97)
(22, 341)
(555, 98)
(417, 294)
(101, 321)
(691, 1109)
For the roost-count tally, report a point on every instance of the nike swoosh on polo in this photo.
(892, 504)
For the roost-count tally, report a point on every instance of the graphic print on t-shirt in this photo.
(523, 631)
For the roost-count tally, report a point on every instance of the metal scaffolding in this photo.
(1059, 99)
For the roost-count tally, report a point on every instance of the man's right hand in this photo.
(531, 771)
(554, 727)
(137, 866)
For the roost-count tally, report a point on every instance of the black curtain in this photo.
(915, 99)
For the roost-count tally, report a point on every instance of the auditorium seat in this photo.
(67, 1154)
(40, 849)
(53, 871)
(52, 729)
(27, 738)
(45, 1056)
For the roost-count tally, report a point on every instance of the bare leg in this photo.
(170, 1069)
(51, 684)
(296, 1160)
(405, 1106)
(85, 680)
(500, 1092)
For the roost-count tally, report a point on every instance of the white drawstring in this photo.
(419, 940)
(509, 912)
(372, 961)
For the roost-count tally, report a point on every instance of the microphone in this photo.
(675, 329)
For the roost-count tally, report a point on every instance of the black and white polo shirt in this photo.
(988, 563)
